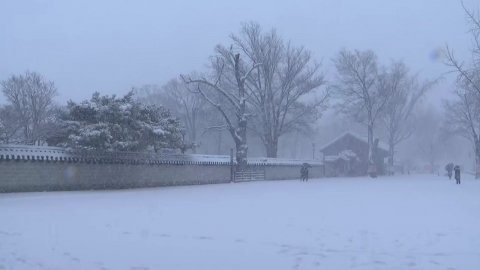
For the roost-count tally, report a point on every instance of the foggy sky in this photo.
(110, 46)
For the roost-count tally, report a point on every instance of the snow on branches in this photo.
(119, 124)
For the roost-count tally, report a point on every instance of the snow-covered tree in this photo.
(31, 96)
(361, 89)
(397, 115)
(285, 92)
(119, 124)
(228, 90)
(429, 135)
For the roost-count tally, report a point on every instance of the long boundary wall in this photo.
(53, 169)
(18, 176)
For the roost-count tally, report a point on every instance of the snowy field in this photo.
(410, 222)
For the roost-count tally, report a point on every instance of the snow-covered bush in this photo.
(109, 123)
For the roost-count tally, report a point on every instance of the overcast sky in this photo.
(110, 46)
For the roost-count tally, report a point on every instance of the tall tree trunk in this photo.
(370, 144)
(272, 148)
(241, 144)
(390, 161)
(240, 135)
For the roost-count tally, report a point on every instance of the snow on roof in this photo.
(331, 158)
(343, 156)
(196, 159)
(26, 152)
(381, 144)
(279, 161)
(30, 150)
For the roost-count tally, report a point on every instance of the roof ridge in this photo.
(356, 135)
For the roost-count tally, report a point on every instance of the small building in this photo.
(348, 156)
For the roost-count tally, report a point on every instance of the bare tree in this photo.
(362, 90)
(281, 85)
(469, 72)
(149, 94)
(430, 135)
(9, 124)
(229, 80)
(31, 96)
(213, 123)
(190, 105)
(405, 92)
(462, 117)
(52, 126)
(181, 102)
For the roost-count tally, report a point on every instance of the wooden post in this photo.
(250, 175)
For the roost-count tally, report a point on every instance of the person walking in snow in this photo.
(457, 173)
(304, 172)
(449, 169)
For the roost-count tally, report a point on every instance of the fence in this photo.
(247, 176)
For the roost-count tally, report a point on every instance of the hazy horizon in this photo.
(110, 47)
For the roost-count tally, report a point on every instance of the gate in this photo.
(247, 176)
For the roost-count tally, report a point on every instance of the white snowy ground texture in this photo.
(403, 222)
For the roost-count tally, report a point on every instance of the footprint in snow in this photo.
(297, 263)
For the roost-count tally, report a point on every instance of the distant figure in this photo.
(449, 169)
(372, 171)
(457, 173)
(304, 172)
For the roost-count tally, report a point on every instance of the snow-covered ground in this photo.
(407, 222)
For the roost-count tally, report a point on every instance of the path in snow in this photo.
(414, 222)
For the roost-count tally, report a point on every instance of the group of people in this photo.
(450, 168)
